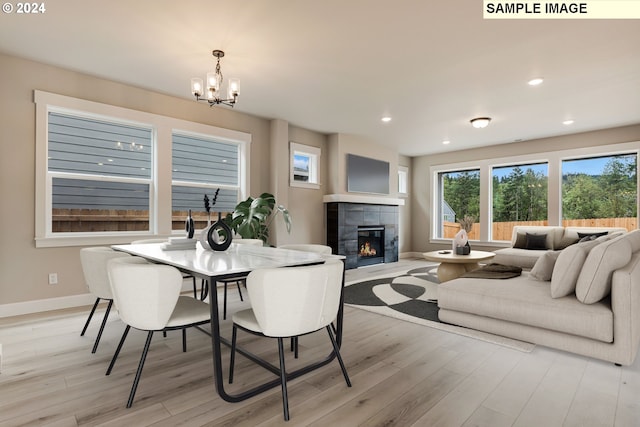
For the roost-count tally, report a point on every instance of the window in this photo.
(100, 174)
(519, 197)
(600, 191)
(458, 196)
(305, 166)
(202, 166)
(403, 180)
(104, 173)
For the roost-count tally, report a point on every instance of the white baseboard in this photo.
(59, 303)
(37, 306)
(405, 255)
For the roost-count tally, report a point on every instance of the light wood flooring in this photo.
(403, 374)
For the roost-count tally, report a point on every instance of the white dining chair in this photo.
(184, 276)
(288, 302)
(237, 280)
(305, 247)
(148, 298)
(94, 267)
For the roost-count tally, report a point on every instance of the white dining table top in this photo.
(235, 260)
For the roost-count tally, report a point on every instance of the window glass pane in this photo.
(519, 198)
(600, 191)
(459, 197)
(80, 205)
(204, 160)
(185, 198)
(88, 146)
(301, 164)
(208, 162)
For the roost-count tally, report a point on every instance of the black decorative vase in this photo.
(219, 235)
(463, 250)
(189, 226)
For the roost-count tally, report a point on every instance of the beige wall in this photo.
(23, 268)
(421, 219)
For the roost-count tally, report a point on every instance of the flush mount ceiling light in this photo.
(480, 122)
(214, 86)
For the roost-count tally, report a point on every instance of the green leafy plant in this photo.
(251, 218)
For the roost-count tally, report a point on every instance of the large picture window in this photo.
(100, 174)
(107, 174)
(591, 186)
(600, 191)
(459, 198)
(203, 166)
(519, 198)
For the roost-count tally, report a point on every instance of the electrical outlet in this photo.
(53, 278)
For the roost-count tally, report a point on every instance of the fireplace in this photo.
(370, 245)
(344, 222)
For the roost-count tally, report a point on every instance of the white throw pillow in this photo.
(594, 282)
(568, 267)
(543, 268)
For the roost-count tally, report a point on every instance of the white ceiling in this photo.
(340, 65)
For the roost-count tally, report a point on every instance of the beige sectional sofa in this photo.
(557, 238)
(594, 310)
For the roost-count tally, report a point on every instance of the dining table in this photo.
(237, 260)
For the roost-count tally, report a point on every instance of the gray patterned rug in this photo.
(413, 297)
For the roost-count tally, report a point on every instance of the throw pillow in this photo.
(592, 235)
(567, 269)
(521, 241)
(536, 241)
(543, 268)
(566, 242)
(594, 282)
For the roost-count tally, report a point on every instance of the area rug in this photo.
(413, 297)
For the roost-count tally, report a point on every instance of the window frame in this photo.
(160, 186)
(554, 202)
(313, 153)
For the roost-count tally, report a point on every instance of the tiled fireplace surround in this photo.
(343, 220)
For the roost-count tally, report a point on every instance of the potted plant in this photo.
(251, 218)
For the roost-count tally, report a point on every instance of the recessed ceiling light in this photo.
(386, 119)
(567, 122)
(445, 142)
(480, 122)
(535, 82)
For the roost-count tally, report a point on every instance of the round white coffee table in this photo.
(453, 266)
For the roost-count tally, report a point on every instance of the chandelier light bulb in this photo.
(196, 87)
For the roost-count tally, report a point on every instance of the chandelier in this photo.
(213, 90)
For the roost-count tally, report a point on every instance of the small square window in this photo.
(305, 166)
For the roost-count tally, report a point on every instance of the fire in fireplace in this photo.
(370, 245)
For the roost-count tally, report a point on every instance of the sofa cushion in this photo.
(634, 239)
(520, 257)
(594, 282)
(527, 302)
(567, 268)
(543, 269)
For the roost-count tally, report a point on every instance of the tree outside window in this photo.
(600, 191)
(459, 197)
